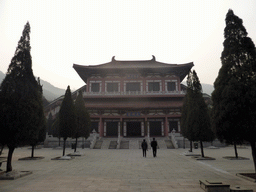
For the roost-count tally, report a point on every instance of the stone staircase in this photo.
(169, 144)
(132, 143)
(124, 145)
(106, 142)
(112, 145)
(98, 144)
(163, 142)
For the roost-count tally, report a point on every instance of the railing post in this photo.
(174, 142)
(94, 139)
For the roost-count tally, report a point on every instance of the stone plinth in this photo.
(214, 186)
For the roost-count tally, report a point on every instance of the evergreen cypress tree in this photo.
(56, 127)
(41, 131)
(199, 114)
(49, 124)
(83, 121)
(67, 121)
(185, 128)
(234, 97)
(21, 103)
(195, 121)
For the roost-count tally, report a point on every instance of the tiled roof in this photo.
(115, 66)
(132, 64)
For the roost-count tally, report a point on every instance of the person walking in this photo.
(144, 147)
(154, 146)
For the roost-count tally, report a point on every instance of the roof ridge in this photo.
(153, 59)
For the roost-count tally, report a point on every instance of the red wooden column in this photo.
(163, 84)
(166, 128)
(88, 85)
(101, 128)
(121, 127)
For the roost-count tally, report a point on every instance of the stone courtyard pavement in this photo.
(126, 170)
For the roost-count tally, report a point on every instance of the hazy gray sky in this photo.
(90, 32)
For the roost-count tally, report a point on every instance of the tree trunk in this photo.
(253, 153)
(9, 159)
(236, 154)
(64, 147)
(2, 148)
(202, 148)
(191, 147)
(75, 144)
(32, 152)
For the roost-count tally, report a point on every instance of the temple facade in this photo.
(134, 98)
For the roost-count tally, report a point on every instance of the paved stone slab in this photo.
(14, 175)
(126, 170)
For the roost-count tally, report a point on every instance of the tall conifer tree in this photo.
(49, 124)
(185, 128)
(41, 132)
(83, 121)
(195, 120)
(67, 121)
(21, 103)
(234, 97)
(199, 114)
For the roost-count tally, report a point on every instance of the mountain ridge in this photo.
(51, 92)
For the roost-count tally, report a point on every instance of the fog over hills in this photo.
(207, 88)
(51, 92)
(2, 75)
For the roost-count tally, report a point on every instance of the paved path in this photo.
(126, 170)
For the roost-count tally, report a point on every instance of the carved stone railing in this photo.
(119, 141)
(174, 142)
(94, 139)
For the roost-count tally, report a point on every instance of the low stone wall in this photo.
(215, 143)
(52, 142)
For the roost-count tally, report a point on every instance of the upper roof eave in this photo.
(116, 66)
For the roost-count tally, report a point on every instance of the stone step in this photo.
(133, 144)
(112, 144)
(105, 144)
(98, 144)
(169, 144)
(161, 144)
(124, 145)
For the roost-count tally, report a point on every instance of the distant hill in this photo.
(2, 75)
(50, 92)
(207, 88)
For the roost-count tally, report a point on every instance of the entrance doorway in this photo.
(173, 125)
(155, 128)
(112, 129)
(95, 126)
(133, 129)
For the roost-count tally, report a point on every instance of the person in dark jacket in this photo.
(144, 147)
(154, 146)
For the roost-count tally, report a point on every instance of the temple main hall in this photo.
(134, 98)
